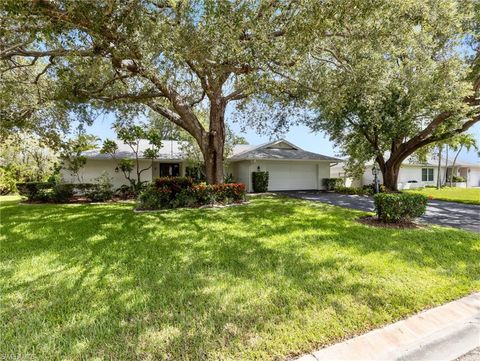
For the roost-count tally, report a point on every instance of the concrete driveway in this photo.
(443, 213)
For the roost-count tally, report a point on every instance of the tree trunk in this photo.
(453, 165)
(390, 175)
(439, 179)
(446, 165)
(214, 143)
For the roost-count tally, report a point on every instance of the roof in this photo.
(170, 150)
(279, 149)
(431, 161)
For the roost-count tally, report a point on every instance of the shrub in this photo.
(366, 190)
(34, 191)
(60, 193)
(196, 195)
(175, 184)
(125, 192)
(399, 207)
(102, 190)
(260, 182)
(231, 192)
(153, 198)
(331, 183)
(458, 179)
(7, 182)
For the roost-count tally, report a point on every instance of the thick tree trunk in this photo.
(390, 175)
(214, 143)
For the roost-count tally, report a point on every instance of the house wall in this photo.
(94, 168)
(473, 177)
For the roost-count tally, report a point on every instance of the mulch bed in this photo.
(375, 222)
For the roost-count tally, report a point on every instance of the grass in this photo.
(453, 194)
(267, 280)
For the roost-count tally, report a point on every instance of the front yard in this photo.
(460, 195)
(267, 280)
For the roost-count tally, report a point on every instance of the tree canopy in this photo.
(404, 78)
(171, 57)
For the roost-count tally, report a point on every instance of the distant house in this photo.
(289, 166)
(414, 174)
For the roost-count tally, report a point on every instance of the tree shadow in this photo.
(197, 284)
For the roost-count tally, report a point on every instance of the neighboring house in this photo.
(289, 166)
(414, 174)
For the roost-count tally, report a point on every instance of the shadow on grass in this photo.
(98, 280)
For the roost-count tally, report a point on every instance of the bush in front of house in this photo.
(399, 207)
(176, 192)
(102, 189)
(331, 183)
(361, 191)
(46, 191)
(458, 179)
(260, 182)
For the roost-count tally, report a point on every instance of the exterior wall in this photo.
(242, 173)
(94, 168)
(289, 175)
(473, 177)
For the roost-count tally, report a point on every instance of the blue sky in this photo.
(299, 135)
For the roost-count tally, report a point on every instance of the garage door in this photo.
(285, 176)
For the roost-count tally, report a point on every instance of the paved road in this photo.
(448, 214)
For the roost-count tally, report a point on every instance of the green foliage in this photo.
(458, 179)
(72, 155)
(362, 191)
(399, 207)
(102, 189)
(132, 135)
(7, 182)
(24, 158)
(331, 183)
(175, 192)
(46, 192)
(260, 182)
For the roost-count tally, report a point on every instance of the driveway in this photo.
(449, 214)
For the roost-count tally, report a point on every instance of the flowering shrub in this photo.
(174, 192)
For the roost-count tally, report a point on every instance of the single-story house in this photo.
(415, 174)
(289, 166)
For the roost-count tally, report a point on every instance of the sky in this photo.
(298, 135)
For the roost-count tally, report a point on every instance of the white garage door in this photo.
(292, 176)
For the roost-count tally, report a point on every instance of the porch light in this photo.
(258, 168)
(375, 169)
(116, 169)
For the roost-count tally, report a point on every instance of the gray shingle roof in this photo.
(172, 150)
(269, 152)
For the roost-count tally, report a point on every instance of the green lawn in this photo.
(267, 280)
(460, 195)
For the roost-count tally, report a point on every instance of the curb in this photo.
(441, 333)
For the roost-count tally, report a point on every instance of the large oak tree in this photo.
(406, 75)
(173, 57)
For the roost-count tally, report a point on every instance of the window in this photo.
(427, 174)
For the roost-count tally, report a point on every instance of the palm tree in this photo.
(458, 143)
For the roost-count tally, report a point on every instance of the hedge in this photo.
(331, 183)
(175, 192)
(49, 192)
(399, 207)
(260, 182)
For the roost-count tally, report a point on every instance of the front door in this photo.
(169, 169)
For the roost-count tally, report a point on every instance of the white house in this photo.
(414, 174)
(289, 166)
